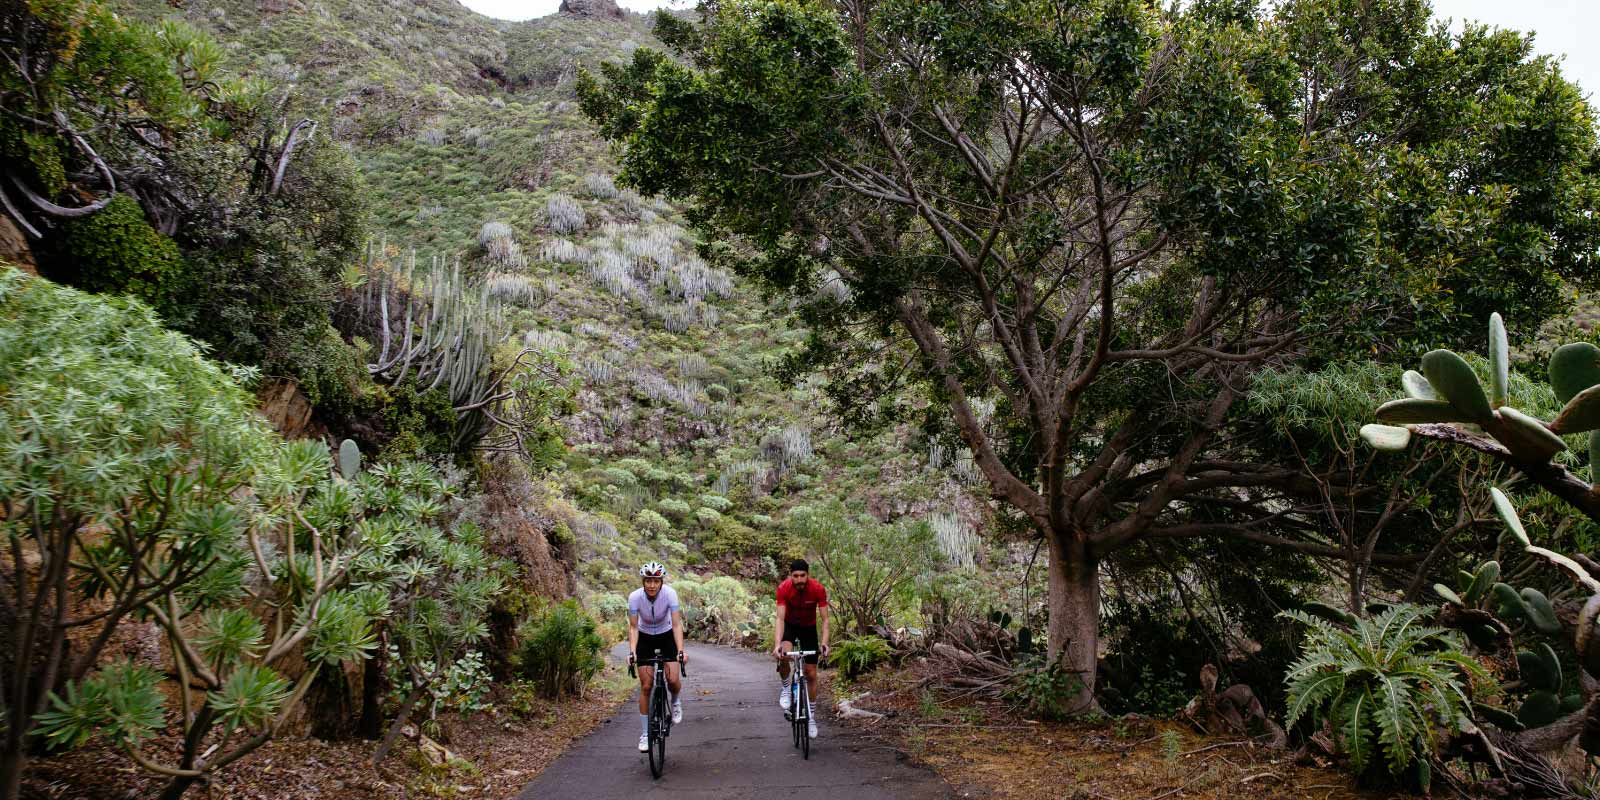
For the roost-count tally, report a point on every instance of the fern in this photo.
(1393, 684)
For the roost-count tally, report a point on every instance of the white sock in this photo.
(644, 724)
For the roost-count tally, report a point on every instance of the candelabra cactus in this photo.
(1482, 590)
(445, 336)
(447, 331)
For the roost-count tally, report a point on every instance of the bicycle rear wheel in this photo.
(658, 734)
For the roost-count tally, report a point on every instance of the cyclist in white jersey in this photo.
(655, 622)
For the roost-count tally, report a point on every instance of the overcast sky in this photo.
(1561, 27)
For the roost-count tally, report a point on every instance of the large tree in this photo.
(1099, 217)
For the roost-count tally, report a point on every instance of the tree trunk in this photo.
(176, 787)
(372, 685)
(12, 762)
(1074, 625)
(400, 721)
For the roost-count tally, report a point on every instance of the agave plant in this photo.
(1387, 686)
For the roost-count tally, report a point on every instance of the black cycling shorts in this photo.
(650, 642)
(801, 637)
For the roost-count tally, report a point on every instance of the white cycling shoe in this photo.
(783, 697)
(644, 742)
(677, 711)
(811, 725)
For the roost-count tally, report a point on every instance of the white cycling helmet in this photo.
(653, 570)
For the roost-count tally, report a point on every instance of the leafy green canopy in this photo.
(1437, 177)
(871, 569)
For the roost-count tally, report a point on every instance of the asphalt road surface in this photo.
(733, 743)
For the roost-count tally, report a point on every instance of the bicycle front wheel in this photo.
(658, 755)
(658, 735)
(802, 730)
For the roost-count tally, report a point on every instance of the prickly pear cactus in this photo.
(1447, 391)
(349, 460)
(1530, 612)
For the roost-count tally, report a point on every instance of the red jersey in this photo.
(801, 604)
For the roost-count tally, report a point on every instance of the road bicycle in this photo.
(799, 713)
(660, 725)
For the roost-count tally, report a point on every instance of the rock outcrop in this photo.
(597, 9)
(288, 409)
(14, 247)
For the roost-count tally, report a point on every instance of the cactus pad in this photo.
(1540, 613)
(1581, 413)
(1511, 606)
(1527, 438)
(1573, 368)
(1338, 616)
(1417, 387)
(1508, 514)
(1454, 379)
(1448, 594)
(349, 459)
(1385, 437)
(1540, 669)
(1485, 578)
(1567, 565)
(1498, 717)
(1540, 709)
(1499, 361)
(1408, 410)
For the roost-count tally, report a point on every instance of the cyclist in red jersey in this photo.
(802, 611)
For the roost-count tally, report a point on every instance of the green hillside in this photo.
(685, 447)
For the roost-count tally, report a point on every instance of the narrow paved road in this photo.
(733, 743)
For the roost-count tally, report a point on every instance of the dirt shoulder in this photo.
(496, 754)
(986, 750)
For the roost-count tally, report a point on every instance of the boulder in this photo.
(593, 9)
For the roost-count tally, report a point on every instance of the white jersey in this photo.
(654, 617)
